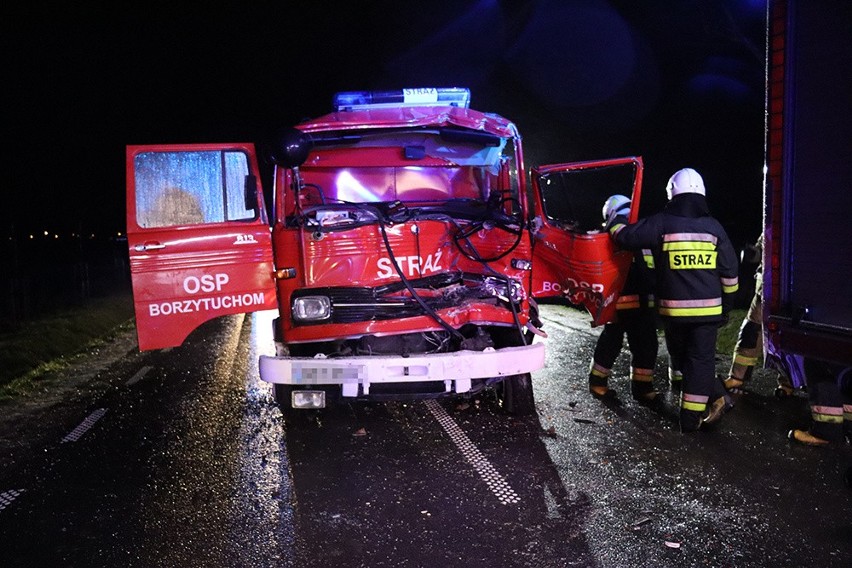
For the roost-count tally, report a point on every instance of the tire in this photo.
(516, 393)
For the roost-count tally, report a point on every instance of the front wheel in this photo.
(516, 394)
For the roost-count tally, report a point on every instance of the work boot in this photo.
(599, 389)
(784, 390)
(715, 411)
(806, 438)
(643, 393)
(734, 385)
(690, 421)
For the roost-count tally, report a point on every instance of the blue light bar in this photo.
(430, 96)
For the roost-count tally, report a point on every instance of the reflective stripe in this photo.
(686, 312)
(827, 414)
(642, 375)
(675, 375)
(745, 361)
(627, 302)
(706, 237)
(688, 245)
(599, 371)
(681, 308)
(701, 303)
(730, 289)
(826, 419)
(730, 281)
(847, 412)
(648, 256)
(614, 230)
(696, 402)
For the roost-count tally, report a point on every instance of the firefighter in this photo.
(749, 345)
(830, 402)
(696, 281)
(635, 317)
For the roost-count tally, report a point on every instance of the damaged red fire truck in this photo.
(406, 250)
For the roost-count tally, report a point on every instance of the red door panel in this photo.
(199, 241)
(573, 256)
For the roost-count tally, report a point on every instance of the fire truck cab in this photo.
(405, 253)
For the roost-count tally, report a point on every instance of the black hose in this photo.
(428, 309)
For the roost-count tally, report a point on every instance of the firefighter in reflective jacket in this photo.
(749, 346)
(696, 282)
(830, 398)
(635, 318)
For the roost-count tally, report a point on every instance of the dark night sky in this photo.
(679, 82)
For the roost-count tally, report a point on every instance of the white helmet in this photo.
(686, 180)
(615, 205)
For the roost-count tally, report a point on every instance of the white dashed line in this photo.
(7, 497)
(84, 426)
(140, 374)
(499, 486)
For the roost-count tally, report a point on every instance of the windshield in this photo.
(412, 167)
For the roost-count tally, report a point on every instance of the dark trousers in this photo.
(693, 346)
(641, 330)
(826, 400)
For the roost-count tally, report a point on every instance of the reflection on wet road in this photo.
(189, 462)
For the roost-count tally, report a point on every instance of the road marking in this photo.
(498, 485)
(140, 374)
(7, 497)
(84, 426)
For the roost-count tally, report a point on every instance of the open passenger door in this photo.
(573, 257)
(198, 236)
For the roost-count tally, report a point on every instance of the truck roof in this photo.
(411, 117)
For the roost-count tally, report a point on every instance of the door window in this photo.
(573, 199)
(188, 188)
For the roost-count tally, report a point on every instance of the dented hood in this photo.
(425, 116)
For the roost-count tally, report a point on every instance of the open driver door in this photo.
(198, 236)
(573, 256)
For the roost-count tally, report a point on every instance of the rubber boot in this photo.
(643, 392)
(690, 421)
(715, 410)
(806, 438)
(599, 389)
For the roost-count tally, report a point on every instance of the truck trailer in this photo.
(807, 293)
(405, 249)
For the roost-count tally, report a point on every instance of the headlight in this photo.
(311, 308)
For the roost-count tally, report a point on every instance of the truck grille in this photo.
(393, 301)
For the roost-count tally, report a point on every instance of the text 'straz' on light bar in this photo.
(430, 96)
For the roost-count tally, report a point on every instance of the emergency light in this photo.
(430, 96)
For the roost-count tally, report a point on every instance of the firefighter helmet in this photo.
(686, 180)
(615, 205)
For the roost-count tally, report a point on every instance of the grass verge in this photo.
(48, 344)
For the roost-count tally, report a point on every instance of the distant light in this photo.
(46, 233)
(118, 234)
(55, 236)
(32, 236)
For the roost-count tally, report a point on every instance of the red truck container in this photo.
(405, 253)
(807, 194)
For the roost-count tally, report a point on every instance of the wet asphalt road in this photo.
(182, 459)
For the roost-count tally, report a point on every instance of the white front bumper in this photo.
(455, 369)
